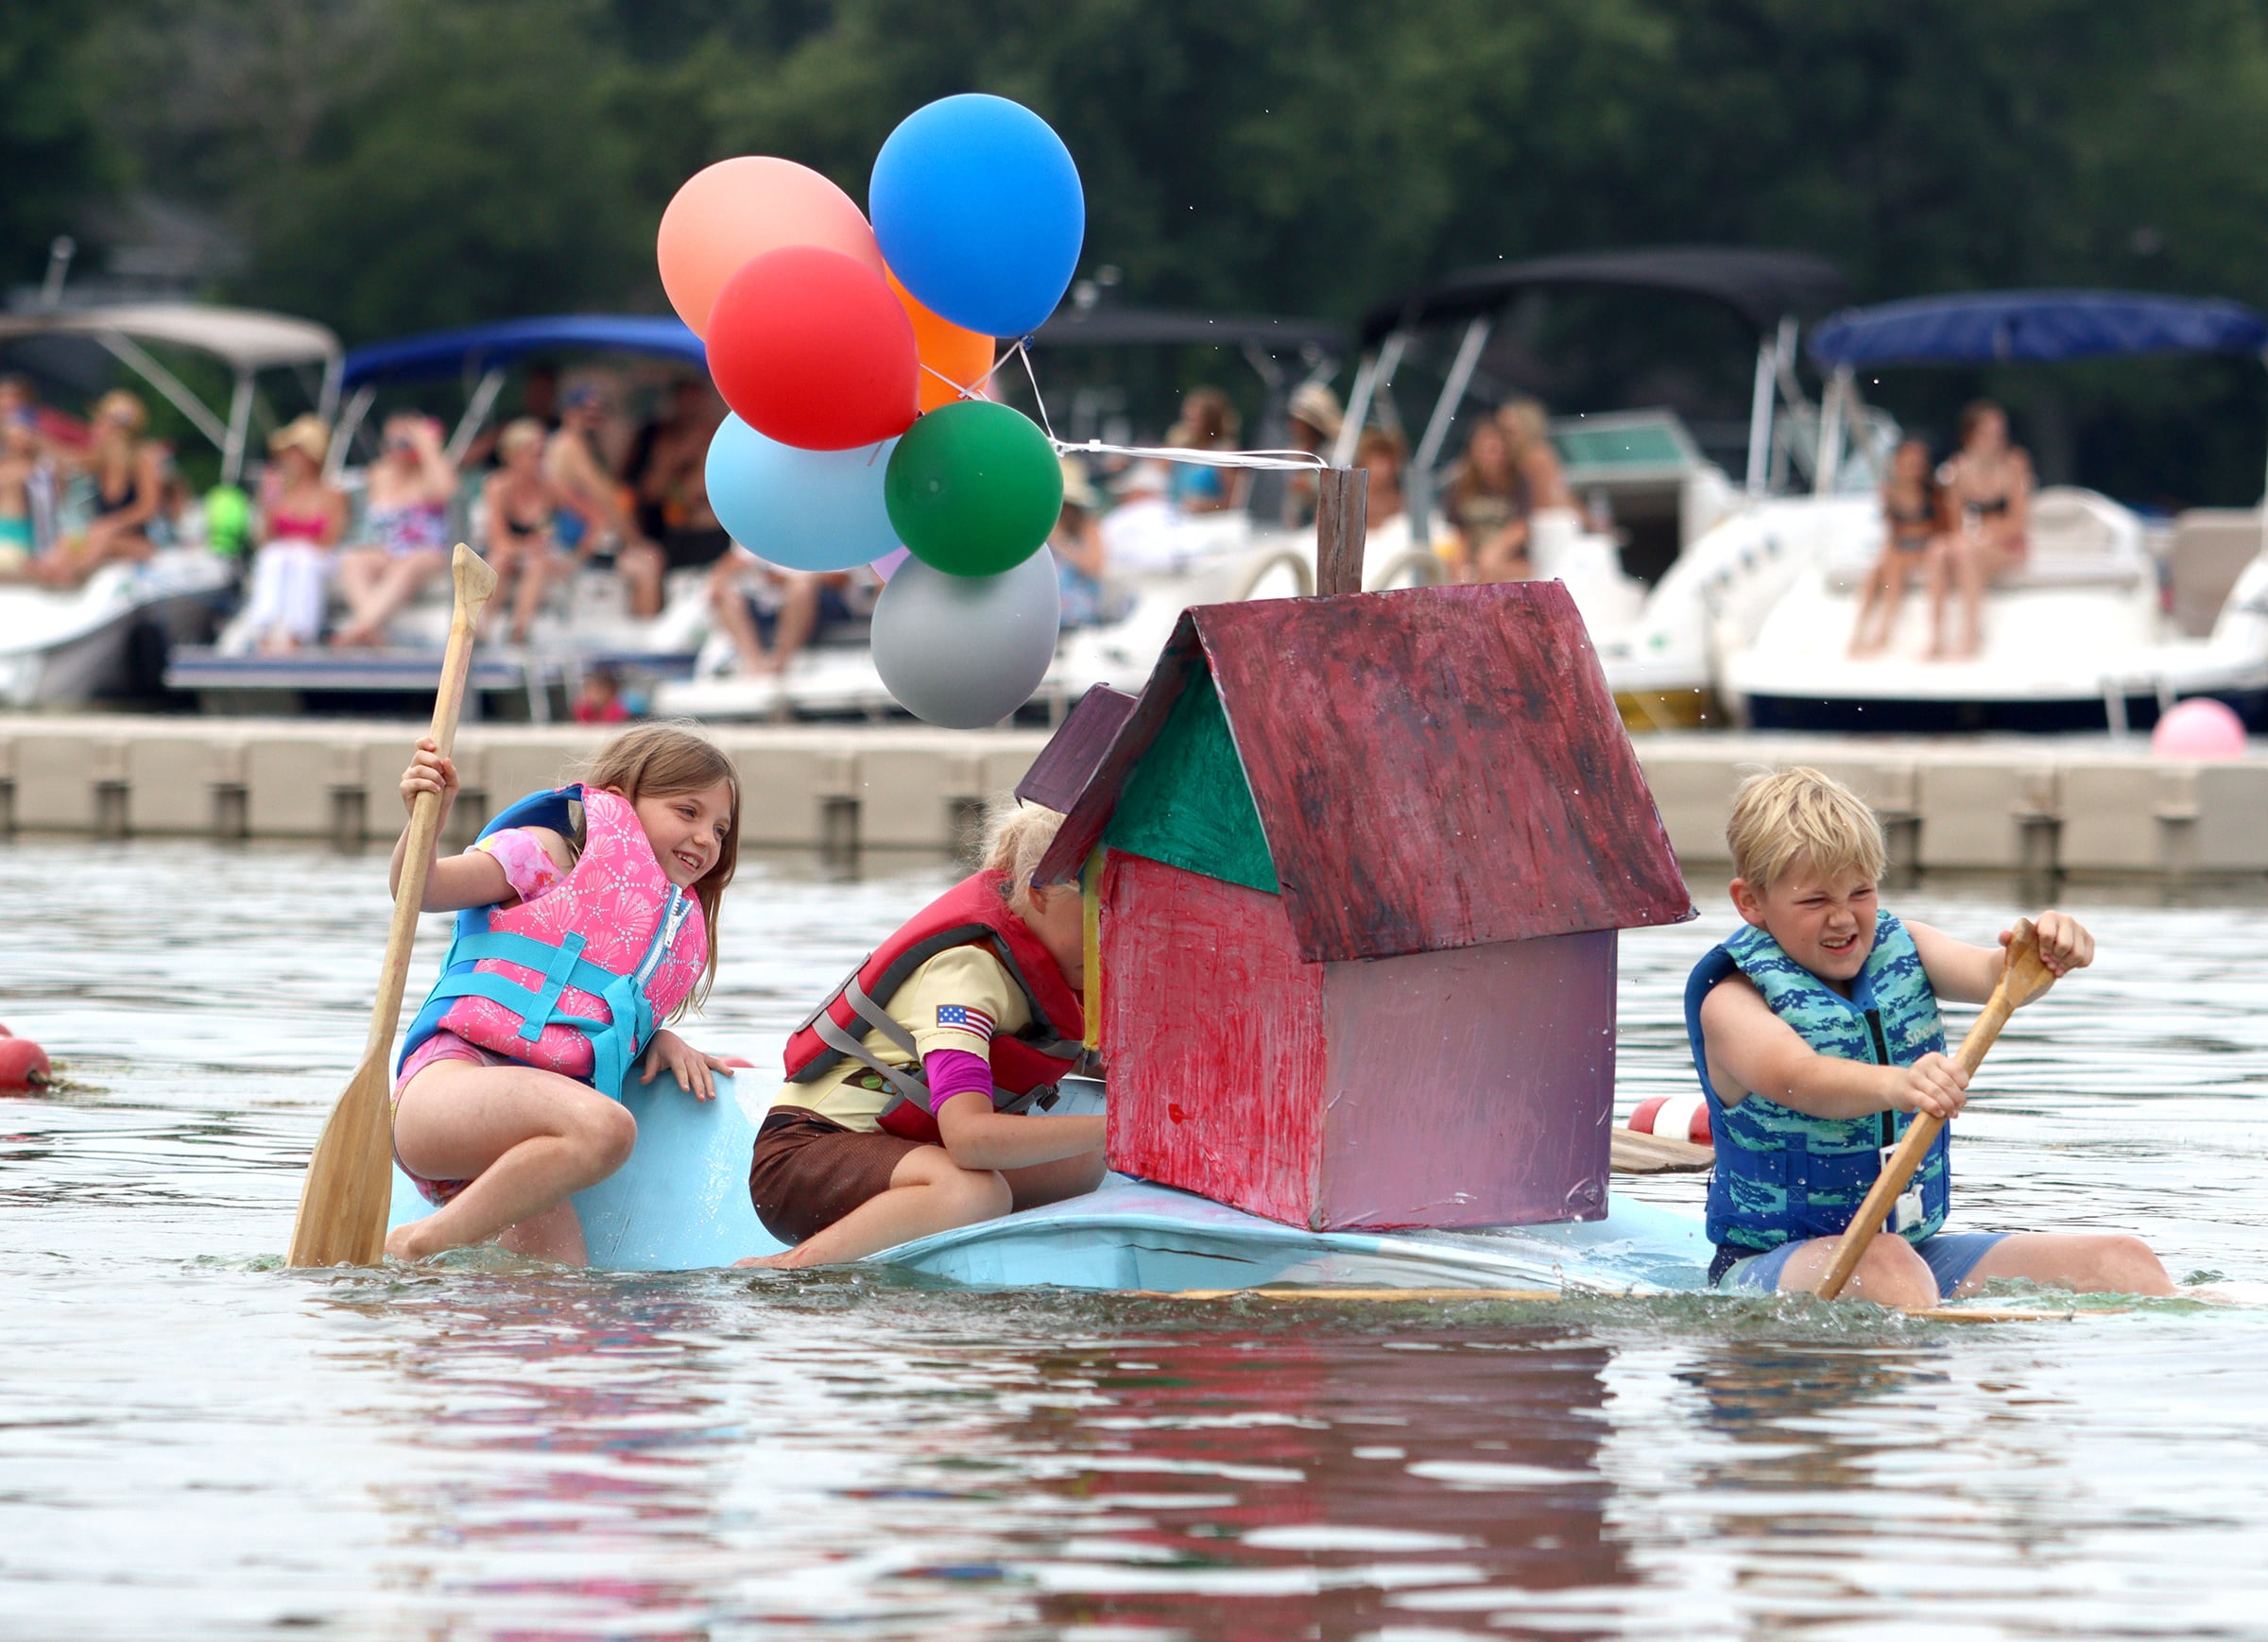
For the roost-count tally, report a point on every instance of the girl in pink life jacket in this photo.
(906, 1110)
(579, 939)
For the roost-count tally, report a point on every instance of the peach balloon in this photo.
(2200, 728)
(731, 213)
(947, 351)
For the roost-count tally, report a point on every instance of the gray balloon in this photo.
(967, 651)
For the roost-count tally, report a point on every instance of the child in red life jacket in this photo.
(904, 1112)
(579, 935)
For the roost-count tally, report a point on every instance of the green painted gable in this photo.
(1187, 803)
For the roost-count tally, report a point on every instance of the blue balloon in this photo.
(802, 510)
(979, 212)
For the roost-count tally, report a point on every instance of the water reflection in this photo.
(197, 1445)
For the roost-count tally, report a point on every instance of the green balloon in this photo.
(973, 488)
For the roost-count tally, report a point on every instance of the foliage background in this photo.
(388, 165)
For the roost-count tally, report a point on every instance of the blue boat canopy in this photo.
(481, 347)
(2043, 327)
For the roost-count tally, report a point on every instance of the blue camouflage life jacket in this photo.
(1783, 1174)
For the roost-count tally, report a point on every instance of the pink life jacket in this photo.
(1026, 1069)
(578, 980)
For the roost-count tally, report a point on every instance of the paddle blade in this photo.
(343, 1204)
(2024, 973)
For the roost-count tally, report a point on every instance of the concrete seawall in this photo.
(2082, 806)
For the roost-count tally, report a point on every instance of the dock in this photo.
(2082, 806)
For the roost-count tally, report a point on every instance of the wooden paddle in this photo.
(2024, 977)
(343, 1204)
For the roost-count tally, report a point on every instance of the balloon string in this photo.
(1270, 460)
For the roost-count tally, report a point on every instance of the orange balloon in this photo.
(957, 355)
(731, 213)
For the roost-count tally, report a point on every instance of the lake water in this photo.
(195, 1444)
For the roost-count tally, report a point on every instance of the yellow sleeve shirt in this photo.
(960, 1000)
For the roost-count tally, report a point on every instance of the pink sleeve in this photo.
(956, 1071)
(527, 865)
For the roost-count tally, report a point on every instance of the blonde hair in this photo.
(656, 760)
(1780, 814)
(518, 434)
(1016, 837)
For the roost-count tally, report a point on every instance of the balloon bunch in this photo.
(853, 358)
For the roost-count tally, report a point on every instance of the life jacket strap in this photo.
(908, 1086)
(563, 960)
(881, 1019)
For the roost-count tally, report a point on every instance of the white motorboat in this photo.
(585, 622)
(61, 648)
(2095, 631)
(1648, 592)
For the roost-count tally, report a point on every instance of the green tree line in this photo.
(388, 165)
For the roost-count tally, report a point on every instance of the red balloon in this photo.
(813, 349)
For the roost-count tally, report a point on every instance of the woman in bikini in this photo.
(411, 486)
(1988, 496)
(129, 483)
(518, 505)
(1914, 543)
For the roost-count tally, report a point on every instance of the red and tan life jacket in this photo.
(1026, 1067)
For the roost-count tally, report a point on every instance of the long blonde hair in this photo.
(656, 760)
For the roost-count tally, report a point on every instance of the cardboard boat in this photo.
(682, 1204)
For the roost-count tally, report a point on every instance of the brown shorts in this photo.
(806, 1173)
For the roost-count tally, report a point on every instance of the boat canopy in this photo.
(1771, 292)
(486, 346)
(2042, 326)
(1761, 286)
(489, 350)
(247, 340)
(1109, 325)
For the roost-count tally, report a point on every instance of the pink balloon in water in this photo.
(2199, 729)
(888, 563)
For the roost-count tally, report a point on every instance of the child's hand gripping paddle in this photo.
(2024, 975)
(343, 1204)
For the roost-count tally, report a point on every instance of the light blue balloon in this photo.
(979, 212)
(801, 509)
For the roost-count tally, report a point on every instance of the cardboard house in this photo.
(1355, 867)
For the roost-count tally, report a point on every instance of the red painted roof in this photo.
(1436, 767)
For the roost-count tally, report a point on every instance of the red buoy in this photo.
(24, 1067)
(1674, 1118)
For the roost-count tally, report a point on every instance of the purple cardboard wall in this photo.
(1469, 1087)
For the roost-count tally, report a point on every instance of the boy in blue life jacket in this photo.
(1815, 1033)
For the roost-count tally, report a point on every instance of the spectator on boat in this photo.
(1988, 499)
(21, 455)
(1527, 430)
(410, 489)
(1486, 505)
(595, 523)
(1080, 553)
(518, 504)
(130, 480)
(1208, 422)
(1914, 543)
(668, 466)
(770, 613)
(302, 517)
(1143, 531)
(1312, 426)
(1383, 455)
(598, 700)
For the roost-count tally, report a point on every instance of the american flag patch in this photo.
(965, 1018)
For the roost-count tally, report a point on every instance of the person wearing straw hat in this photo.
(300, 520)
(1312, 422)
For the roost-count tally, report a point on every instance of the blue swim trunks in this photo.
(1949, 1255)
